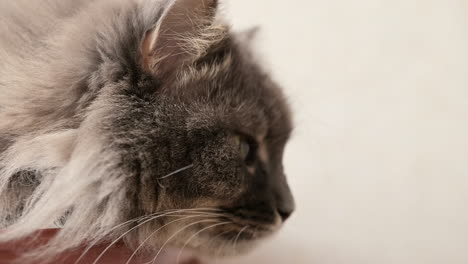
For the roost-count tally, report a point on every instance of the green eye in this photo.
(244, 149)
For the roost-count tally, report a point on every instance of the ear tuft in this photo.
(183, 34)
(249, 36)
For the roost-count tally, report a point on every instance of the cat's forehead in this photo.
(229, 88)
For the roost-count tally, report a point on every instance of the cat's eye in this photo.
(246, 148)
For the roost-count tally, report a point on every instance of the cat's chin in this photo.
(221, 250)
(229, 246)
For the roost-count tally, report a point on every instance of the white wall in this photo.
(379, 160)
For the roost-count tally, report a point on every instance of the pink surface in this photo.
(118, 254)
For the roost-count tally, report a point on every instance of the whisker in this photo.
(237, 238)
(124, 234)
(136, 219)
(218, 251)
(217, 254)
(131, 229)
(173, 235)
(194, 235)
(175, 172)
(153, 233)
(238, 235)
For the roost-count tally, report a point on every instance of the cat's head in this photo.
(182, 126)
(203, 128)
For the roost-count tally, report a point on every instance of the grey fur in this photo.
(87, 127)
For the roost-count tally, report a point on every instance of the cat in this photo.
(143, 120)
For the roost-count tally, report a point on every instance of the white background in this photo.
(379, 159)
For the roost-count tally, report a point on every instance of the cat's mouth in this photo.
(225, 243)
(244, 232)
(231, 235)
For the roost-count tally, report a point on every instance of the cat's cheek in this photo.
(218, 180)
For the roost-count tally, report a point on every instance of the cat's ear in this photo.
(182, 34)
(249, 36)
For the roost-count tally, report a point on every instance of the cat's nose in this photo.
(285, 213)
(285, 207)
(285, 204)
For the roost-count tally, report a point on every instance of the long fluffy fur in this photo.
(91, 117)
(48, 67)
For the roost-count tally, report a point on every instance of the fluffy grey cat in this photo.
(142, 120)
